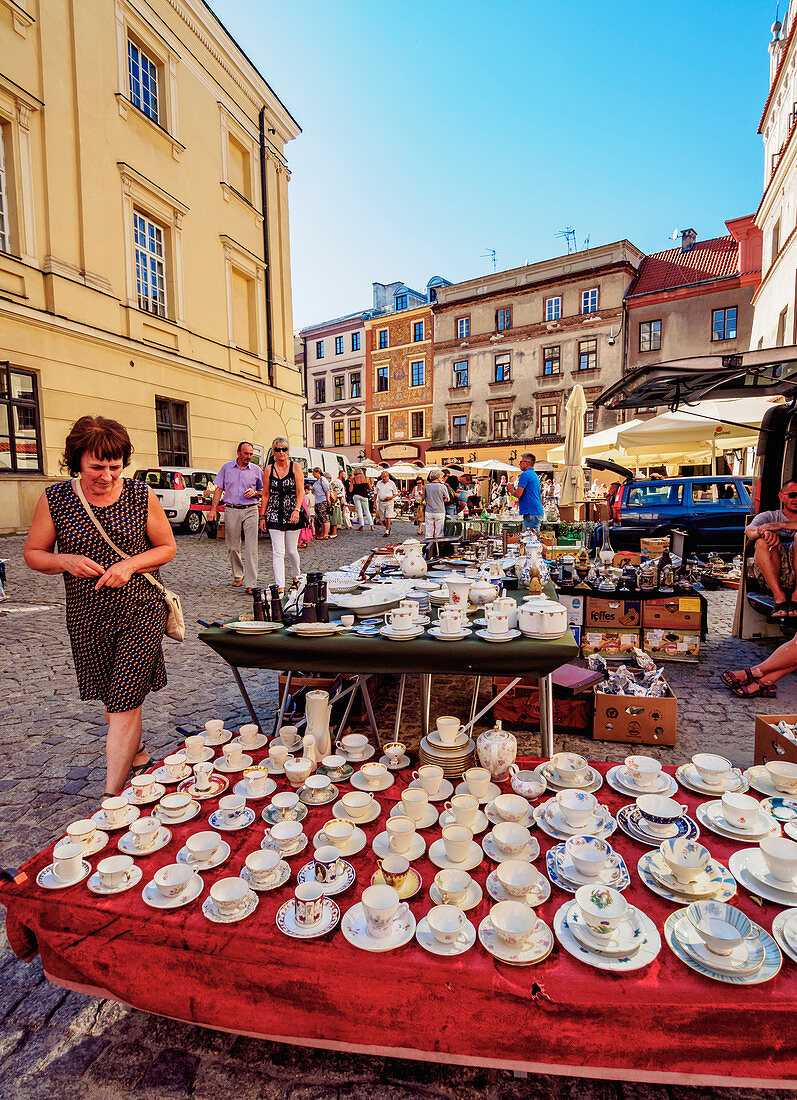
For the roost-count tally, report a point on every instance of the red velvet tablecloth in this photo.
(664, 1022)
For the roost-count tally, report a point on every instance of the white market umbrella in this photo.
(402, 470)
(494, 464)
(601, 444)
(572, 476)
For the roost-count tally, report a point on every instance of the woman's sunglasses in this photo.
(279, 450)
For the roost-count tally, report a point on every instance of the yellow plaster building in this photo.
(142, 275)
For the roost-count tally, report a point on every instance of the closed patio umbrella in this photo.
(572, 476)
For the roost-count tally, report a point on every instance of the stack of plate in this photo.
(453, 759)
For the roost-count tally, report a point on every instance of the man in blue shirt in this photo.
(241, 481)
(527, 491)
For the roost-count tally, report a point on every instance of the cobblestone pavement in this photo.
(51, 772)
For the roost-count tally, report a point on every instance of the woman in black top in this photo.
(360, 495)
(280, 510)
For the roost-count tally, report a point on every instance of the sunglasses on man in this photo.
(791, 496)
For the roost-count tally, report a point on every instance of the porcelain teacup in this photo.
(511, 807)
(194, 747)
(262, 865)
(394, 752)
(780, 856)
(255, 781)
(463, 808)
(277, 754)
(577, 806)
(202, 846)
(644, 770)
(337, 832)
(447, 923)
(497, 620)
(414, 803)
(373, 773)
(712, 769)
(82, 832)
(229, 895)
(478, 781)
(172, 879)
(297, 769)
(334, 765)
(354, 745)
(450, 621)
(395, 869)
(286, 804)
(381, 905)
(115, 809)
(453, 885)
(213, 727)
(513, 921)
(509, 607)
(67, 860)
(114, 871)
(174, 805)
(783, 774)
(602, 908)
(175, 765)
(400, 620)
(400, 831)
(569, 768)
(457, 841)
(357, 803)
(448, 729)
(317, 787)
(308, 904)
(327, 863)
(517, 877)
(712, 922)
(233, 754)
(510, 837)
(740, 810)
(347, 620)
(145, 831)
(247, 735)
(231, 808)
(430, 777)
(589, 854)
(285, 834)
(685, 858)
(659, 813)
(202, 774)
(143, 786)
(288, 736)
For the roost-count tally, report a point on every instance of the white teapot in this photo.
(483, 591)
(497, 749)
(409, 558)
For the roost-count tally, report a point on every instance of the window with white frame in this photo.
(463, 328)
(503, 367)
(5, 238)
(461, 374)
(589, 421)
(589, 300)
(459, 428)
(553, 308)
(142, 76)
(150, 264)
(549, 419)
(417, 372)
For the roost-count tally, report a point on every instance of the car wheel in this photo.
(193, 522)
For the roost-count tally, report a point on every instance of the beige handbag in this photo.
(175, 620)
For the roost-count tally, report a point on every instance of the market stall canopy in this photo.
(572, 476)
(697, 430)
(494, 464)
(403, 470)
(600, 445)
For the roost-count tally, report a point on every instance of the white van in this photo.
(181, 490)
(308, 457)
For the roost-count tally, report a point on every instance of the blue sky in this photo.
(434, 131)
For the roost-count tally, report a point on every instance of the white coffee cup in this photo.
(202, 846)
(317, 787)
(202, 774)
(357, 803)
(478, 781)
(463, 808)
(328, 864)
(336, 831)
(780, 856)
(373, 773)
(115, 809)
(447, 923)
(577, 806)
(334, 765)
(511, 807)
(229, 895)
(214, 726)
(740, 810)
(67, 861)
(347, 620)
(381, 905)
(114, 871)
(277, 754)
(513, 921)
(448, 729)
(430, 777)
(517, 876)
(712, 769)
(286, 803)
(233, 754)
(231, 808)
(262, 865)
(174, 805)
(509, 607)
(288, 735)
(449, 621)
(175, 765)
(194, 748)
(172, 879)
(569, 767)
(510, 837)
(145, 831)
(400, 831)
(247, 735)
(783, 774)
(82, 832)
(602, 908)
(414, 803)
(354, 745)
(413, 607)
(497, 621)
(285, 834)
(589, 854)
(256, 780)
(457, 841)
(143, 786)
(453, 885)
(644, 770)
(309, 904)
(400, 620)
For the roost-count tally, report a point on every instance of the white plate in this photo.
(354, 928)
(245, 762)
(510, 636)
(161, 775)
(206, 754)
(429, 818)
(131, 815)
(534, 950)
(286, 920)
(272, 769)
(593, 783)
(47, 880)
(216, 860)
(350, 758)
(359, 781)
(260, 742)
(372, 813)
(283, 873)
(492, 792)
(240, 788)
(157, 793)
(529, 852)
(564, 873)
(790, 829)
(616, 778)
(756, 865)
(495, 818)
(254, 627)
(382, 847)
(217, 786)
(473, 895)
(551, 820)
(710, 814)
(688, 776)
(725, 886)
(355, 843)
(433, 737)
(95, 885)
(473, 857)
(425, 937)
(643, 956)
(330, 794)
(478, 825)
(188, 814)
(739, 866)
(436, 632)
(128, 845)
(445, 790)
(744, 959)
(773, 960)
(702, 888)
(538, 894)
(190, 892)
(98, 842)
(786, 941)
(215, 739)
(340, 883)
(297, 849)
(758, 777)
(623, 941)
(313, 630)
(212, 912)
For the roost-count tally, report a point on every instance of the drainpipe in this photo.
(267, 279)
(304, 380)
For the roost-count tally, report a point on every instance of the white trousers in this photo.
(434, 523)
(283, 542)
(247, 520)
(363, 511)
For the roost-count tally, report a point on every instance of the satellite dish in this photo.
(676, 234)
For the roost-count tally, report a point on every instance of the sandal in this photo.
(768, 691)
(139, 769)
(781, 610)
(738, 679)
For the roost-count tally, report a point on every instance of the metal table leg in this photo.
(546, 716)
(474, 700)
(363, 685)
(249, 704)
(283, 701)
(426, 701)
(399, 705)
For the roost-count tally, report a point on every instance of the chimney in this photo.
(688, 238)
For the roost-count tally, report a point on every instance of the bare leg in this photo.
(776, 666)
(768, 561)
(124, 738)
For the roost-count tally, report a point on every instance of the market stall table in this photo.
(664, 1023)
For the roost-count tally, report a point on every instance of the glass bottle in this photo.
(258, 607)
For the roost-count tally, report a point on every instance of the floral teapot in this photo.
(409, 558)
(497, 749)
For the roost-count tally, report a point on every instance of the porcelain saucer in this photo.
(426, 938)
(401, 635)
(563, 872)
(593, 782)
(243, 821)
(723, 885)
(98, 842)
(273, 816)
(245, 762)
(218, 784)
(784, 932)
(429, 818)
(630, 821)
(434, 738)
(757, 867)
(473, 895)
(355, 929)
(202, 758)
(790, 829)
(271, 768)
(401, 763)
(353, 845)
(190, 892)
(241, 788)
(445, 790)
(473, 857)
(371, 814)
(773, 960)
(703, 887)
(216, 860)
(47, 880)
(133, 878)
(214, 740)
(212, 912)
(688, 776)
(619, 779)
(359, 781)
(510, 636)
(296, 850)
(283, 873)
(528, 853)
(642, 956)
(436, 632)
(551, 820)
(536, 948)
(330, 795)
(162, 775)
(155, 795)
(409, 888)
(127, 844)
(286, 920)
(478, 825)
(365, 755)
(744, 959)
(759, 780)
(710, 814)
(259, 742)
(188, 814)
(382, 848)
(132, 813)
(341, 882)
(739, 866)
(782, 808)
(623, 941)
(492, 792)
(495, 818)
(339, 777)
(538, 894)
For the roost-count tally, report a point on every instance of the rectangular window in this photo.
(319, 349)
(340, 387)
(383, 338)
(239, 168)
(401, 302)
(142, 73)
(501, 424)
(338, 345)
(244, 310)
(461, 374)
(355, 341)
(587, 354)
(775, 241)
(553, 308)
(549, 419)
(5, 241)
(417, 373)
(417, 425)
(337, 433)
(503, 372)
(171, 423)
(320, 391)
(589, 300)
(459, 429)
(463, 328)
(150, 265)
(551, 360)
(318, 434)
(503, 319)
(417, 331)
(354, 432)
(650, 336)
(381, 379)
(723, 324)
(382, 428)
(20, 433)
(354, 384)
(589, 421)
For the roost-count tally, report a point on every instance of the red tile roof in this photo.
(708, 260)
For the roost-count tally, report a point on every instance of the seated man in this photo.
(774, 562)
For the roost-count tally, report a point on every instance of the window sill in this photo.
(503, 382)
(550, 377)
(459, 389)
(586, 370)
(126, 107)
(230, 192)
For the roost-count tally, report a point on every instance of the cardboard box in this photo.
(672, 613)
(671, 645)
(575, 609)
(626, 557)
(769, 743)
(655, 547)
(619, 613)
(635, 719)
(609, 643)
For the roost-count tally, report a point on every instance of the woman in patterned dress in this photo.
(281, 510)
(115, 618)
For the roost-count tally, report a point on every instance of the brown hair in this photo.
(106, 439)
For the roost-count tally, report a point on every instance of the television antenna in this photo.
(569, 235)
(489, 254)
